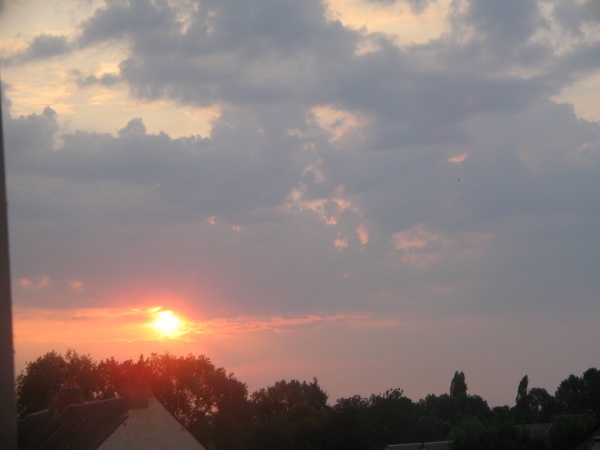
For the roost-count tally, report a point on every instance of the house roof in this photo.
(537, 428)
(591, 441)
(79, 427)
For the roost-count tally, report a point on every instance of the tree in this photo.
(395, 418)
(569, 430)
(591, 378)
(283, 396)
(211, 402)
(533, 405)
(288, 415)
(580, 394)
(458, 385)
(472, 434)
(51, 372)
(542, 405)
(522, 390)
(348, 425)
(521, 411)
(207, 399)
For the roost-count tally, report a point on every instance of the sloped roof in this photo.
(82, 426)
(591, 441)
(537, 428)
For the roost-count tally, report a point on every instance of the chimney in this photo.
(61, 400)
(137, 395)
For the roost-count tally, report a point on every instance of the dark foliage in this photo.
(51, 372)
(580, 394)
(218, 409)
(458, 385)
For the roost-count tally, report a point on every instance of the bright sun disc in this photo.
(166, 322)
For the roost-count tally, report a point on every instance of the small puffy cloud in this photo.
(340, 244)
(420, 247)
(41, 282)
(135, 127)
(336, 122)
(76, 285)
(363, 234)
(458, 158)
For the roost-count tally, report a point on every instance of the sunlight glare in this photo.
(167, 323)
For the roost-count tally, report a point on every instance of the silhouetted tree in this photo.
(569, 430)
(472, 434)
(580, 394)
(51, 372)
(212, 403)
(542, 405)
(522, 390)
(394, 418)
(283, 396)
(294, 415)
(533, 405)
(458, 385)
(287, 415)
(348, 425)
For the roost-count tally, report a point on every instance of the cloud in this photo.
(318, 207)
(106, 79)
(574, 16)
(42, 47)
(42, 282)
(131, 324)
(328, 174)
(417, 6)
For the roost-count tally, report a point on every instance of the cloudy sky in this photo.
(373, 192)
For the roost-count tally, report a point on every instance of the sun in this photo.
(167, 323)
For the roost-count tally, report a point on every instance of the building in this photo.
(590, 442)
(137, 421)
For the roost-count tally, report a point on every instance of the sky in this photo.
(376, 193)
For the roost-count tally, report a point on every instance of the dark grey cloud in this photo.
(512, 20)
(573, 15)
(506, 234)
(117, 20)
(106, 79)
(43, 46)
(417, 6)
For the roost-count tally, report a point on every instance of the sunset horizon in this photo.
(375, 193)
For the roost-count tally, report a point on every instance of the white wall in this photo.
(152, 428)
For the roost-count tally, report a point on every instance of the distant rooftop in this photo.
(79, 427)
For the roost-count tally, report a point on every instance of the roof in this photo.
(537, 428)
(591, 441)
(440, 445)
(79, 427)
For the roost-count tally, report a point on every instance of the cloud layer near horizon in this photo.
(341, 171)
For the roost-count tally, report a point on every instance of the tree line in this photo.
(218, 409)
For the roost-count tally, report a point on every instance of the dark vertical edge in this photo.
(8, 406)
